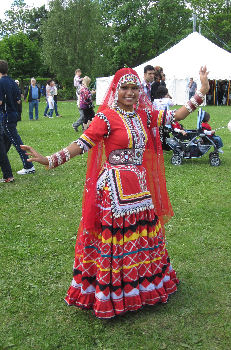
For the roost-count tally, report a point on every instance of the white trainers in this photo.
(220, 150)
(26, 171)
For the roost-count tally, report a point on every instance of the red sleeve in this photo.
(98, 129)
(206, 126)
(176, 125)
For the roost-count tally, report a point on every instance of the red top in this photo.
(206, 126)
(176, 125)
(135, 183)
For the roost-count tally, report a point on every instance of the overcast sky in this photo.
(5, 5)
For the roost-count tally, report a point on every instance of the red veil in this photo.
(153, 160)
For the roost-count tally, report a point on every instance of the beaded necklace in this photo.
(129, 114)
(136, 132)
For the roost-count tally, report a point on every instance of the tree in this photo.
(35, 18)
(214, 16)
(16, 19)
(21, 19)
(141, 28)
(22, 55)
(72, 38)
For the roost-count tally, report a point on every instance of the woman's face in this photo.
(128, 95)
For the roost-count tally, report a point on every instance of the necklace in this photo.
(130, 114)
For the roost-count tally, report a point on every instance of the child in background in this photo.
(163, 100)
(56, 100)
(50, 99)
(211, 133)
(177, 127)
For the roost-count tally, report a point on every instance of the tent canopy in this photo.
(182, 62)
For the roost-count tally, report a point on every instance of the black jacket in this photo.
(154, 88)
(28, 93)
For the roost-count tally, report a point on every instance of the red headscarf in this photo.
(153, 158)
(125, 75)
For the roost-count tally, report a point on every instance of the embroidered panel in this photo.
(128, 189)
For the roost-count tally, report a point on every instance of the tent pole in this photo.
(228, 94)
(194, 22)
(214, 93)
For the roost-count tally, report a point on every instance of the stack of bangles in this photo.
(58, 158)
(195, 102)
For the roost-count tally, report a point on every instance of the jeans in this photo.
(4, 161)
(191, 94)
(47, 108)
(80, 120)
(33, 105)
(11, 136)
(218, 141)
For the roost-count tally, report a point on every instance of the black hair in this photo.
(148, 67)
(3, 67)
(161, 91)
(206, 117)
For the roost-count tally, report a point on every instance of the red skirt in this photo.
(124, 267)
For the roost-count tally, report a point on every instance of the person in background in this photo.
(85, 102)
(48, 88)
(56, 99)
(77, 84)
(178, 128)
(163, 100)
(33, 94)
(162, 82)
(207, 130)
(192, 85)
(4, 161)
(149, 73)
(19, 105)
(50, 99)
(77, 81)
(155, 85)
(9, 98)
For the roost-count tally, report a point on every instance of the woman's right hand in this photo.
(204, 80)
(34, 156)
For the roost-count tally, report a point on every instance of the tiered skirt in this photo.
(123, 267)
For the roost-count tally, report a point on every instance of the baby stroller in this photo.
(195, 146)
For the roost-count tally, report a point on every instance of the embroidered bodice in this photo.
(123, 133)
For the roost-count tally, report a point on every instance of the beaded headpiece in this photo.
(128, 79)
(125, 79)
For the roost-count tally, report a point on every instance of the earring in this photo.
(115, 99)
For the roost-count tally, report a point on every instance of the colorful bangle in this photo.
(58, 158)
(195, 102)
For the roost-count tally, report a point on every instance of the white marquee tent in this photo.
(180, 63)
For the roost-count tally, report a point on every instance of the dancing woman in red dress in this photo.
(121, 261)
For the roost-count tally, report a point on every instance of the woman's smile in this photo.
(128, 95)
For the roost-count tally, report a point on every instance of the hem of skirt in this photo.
(161, 299)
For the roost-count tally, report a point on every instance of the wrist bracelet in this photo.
(58, 158)
(195, 102)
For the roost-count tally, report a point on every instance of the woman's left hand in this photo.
(204, 80)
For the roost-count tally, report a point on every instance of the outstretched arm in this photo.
(73, 150)
(183, 112)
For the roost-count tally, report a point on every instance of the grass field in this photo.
(38, 222)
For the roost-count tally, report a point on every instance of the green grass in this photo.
(38, 222)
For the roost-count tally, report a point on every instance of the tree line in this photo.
(100, 36)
